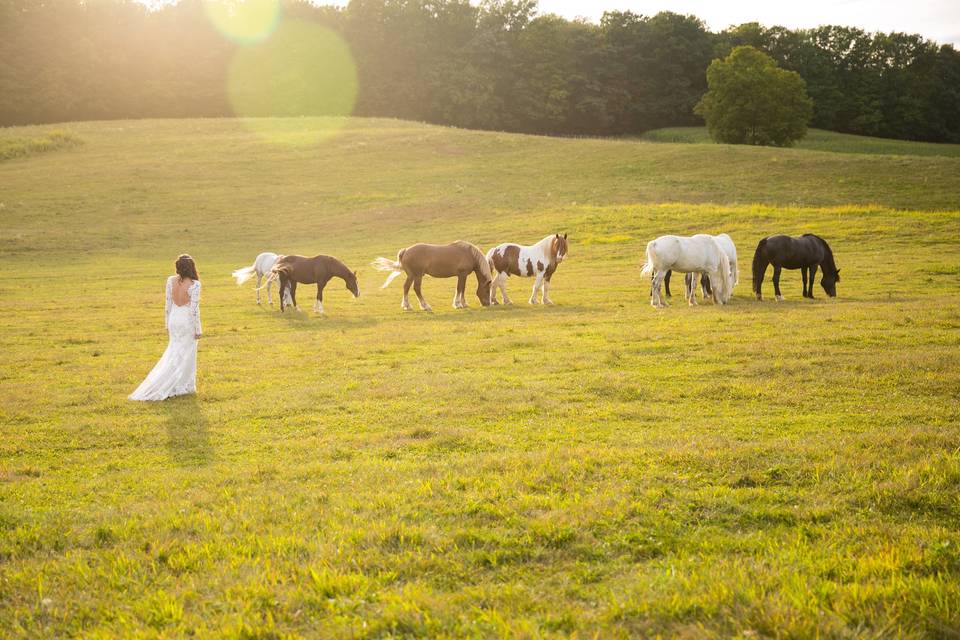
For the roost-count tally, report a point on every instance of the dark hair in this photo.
(186, 267)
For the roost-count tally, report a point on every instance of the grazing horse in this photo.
(726, 243)
(805, 253)
(539, 260)
(261, 267)
(697, 254)
(457, 259)
(291, 270)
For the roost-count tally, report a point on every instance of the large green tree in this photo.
(751, 100)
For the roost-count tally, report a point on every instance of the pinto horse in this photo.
(260, 268)
(539, 260)
(697, 254)
(457, 259)
(805, 253)
(291, 270)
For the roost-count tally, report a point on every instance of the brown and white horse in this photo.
(291, 270)
(539, 261)
(457, 259)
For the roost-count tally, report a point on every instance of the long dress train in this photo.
(176, 372)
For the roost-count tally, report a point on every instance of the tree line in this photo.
(494, 65)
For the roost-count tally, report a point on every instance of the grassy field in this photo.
(820, 140)
(598, 468)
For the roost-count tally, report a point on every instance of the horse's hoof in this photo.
(550, 302)
(779, 298)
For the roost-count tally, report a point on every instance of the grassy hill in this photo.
(594, 468)
(820, 140)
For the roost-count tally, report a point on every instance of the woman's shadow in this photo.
(188, 440)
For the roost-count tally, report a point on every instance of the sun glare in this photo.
(244, 21)
(303, 69)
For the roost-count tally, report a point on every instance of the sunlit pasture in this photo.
(598, 468)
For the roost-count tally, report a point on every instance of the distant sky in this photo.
(935, 19)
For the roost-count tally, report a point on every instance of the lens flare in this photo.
(244, 21)
(303, 69)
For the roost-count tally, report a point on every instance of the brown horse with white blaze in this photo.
(291, 270)
(458, 259)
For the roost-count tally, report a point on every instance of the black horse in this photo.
(805, 253)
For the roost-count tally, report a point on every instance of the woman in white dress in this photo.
(176, 373)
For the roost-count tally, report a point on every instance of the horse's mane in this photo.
(479, 256)
(826, 247)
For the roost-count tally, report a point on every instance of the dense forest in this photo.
(495, 65)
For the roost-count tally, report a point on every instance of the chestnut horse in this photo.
(457, 259)
(291, 270)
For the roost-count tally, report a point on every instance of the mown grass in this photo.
(820, 140)
(594, 468)
(18, 146)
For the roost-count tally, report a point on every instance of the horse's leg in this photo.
(706, 287)
(405, 302)
(283, 292)
(459, 299)
(259, 278)
(293, 294)
(692, 285)
(656, 299)
(776, 282)
(537, 283)
(417, 281)
(813, 278)
(758, 280)
(803, 276)
(503, 287)
(269, 293)
(546, 291)
(666, 283)
(318, 305)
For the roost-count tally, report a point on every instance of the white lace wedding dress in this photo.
(176, 373)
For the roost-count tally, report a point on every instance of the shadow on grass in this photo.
(188, 440)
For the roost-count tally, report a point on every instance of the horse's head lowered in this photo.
(829, 282)
(483, 289)
(352, 285)
(558, 248)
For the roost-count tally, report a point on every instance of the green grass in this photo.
(820, 140)
(17, 146)
(597, 468)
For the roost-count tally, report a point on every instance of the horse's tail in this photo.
(759, 264)
(242, 275)
(489, 257)
(647, 267)
(393, 266)
(722, 293)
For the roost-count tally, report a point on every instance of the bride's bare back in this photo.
(180, 291)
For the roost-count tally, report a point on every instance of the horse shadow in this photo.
(308, 321)
(188, 439)
(517, 310)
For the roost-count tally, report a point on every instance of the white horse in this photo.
(726, 243)
(698, 254)
(539, 260)
(261, 267)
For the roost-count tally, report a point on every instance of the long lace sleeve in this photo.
(195, 307)
(168, 303)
